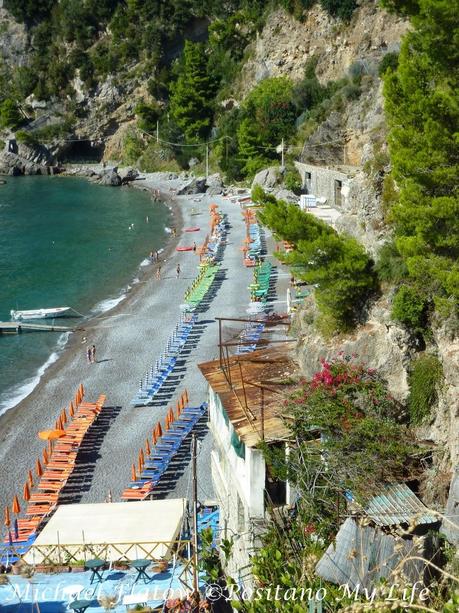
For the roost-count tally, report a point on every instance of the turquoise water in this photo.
(65, 242)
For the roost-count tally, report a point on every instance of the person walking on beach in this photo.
(178, 271)
(194, 247)
(88, 354)
(93, 354)
(158, 273)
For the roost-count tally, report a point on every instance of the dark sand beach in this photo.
(129, 338)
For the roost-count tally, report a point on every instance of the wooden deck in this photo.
(16, 327)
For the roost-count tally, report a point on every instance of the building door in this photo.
(338, 196)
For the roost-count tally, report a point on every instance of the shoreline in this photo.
(53, 362)
(129, 339)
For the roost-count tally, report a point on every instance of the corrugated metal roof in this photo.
(253, 401)
(397, 504)
(363, 555)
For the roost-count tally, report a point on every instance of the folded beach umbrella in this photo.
(7, 518)
(63, 416)
(154, 436)
(160, 430)
(16, 507)
(45, 457)
(147, 447)
(81, 390)
(38, 468)
(140, 466)
(50, 447)
(26, 492)
(51, 435)
(72, 409)
(30, 478)
(142, 457)
(133, 473)
(186, 396)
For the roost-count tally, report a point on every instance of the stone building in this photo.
(330, 185)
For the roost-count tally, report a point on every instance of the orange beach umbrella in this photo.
(38, 468)
(81, 390)
(45, 457)
(154, 437)
(72, 409)
(51, 435)
(63, 416)
(142, 456)
(147, 447)
(160, 430)
(186, 396)
(26, 492)
(16, 508)
(140, 466)
(7, 518)
(30, 478)
(133, 473)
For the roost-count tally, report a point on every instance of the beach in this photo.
(129, 338)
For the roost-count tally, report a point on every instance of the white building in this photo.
(244, 405)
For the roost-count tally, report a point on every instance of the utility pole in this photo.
(207, 160)
(282, 163)
(157, 130)
(195, 512)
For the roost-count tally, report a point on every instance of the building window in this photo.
(307, 182)
(275, 488)
(338, 190)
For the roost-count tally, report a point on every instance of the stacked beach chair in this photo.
(155, 378)
(249, 337)
(159, 449)
(200, 286)
(55, 467)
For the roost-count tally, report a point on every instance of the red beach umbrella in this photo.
(38, 468)
(26, 492)
(7, 518)
(16, 508)
(133, 473)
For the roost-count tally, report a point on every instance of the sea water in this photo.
(66, 242)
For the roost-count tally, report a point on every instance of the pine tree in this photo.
(191, 103)
(422, 107)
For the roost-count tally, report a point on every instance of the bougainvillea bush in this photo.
(349, 429)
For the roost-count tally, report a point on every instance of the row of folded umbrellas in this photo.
(53, 468)
(160, 447)
(252, 241)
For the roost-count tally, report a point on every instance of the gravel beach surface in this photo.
(129, 339)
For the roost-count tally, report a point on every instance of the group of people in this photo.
(91, 354)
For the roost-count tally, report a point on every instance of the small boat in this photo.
(39, 313)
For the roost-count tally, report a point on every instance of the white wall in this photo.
(322, 182)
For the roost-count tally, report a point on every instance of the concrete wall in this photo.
(239, 485)
(321, 182)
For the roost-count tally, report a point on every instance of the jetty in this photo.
(17, 327)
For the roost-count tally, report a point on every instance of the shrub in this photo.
(389, 62)
(10, 116)
(147, 116)
(27, 138)
(292, 180)
(425, 377)
(390, 266)
(409, 308)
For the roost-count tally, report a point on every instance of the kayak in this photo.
(184, 248)
(194, 229)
